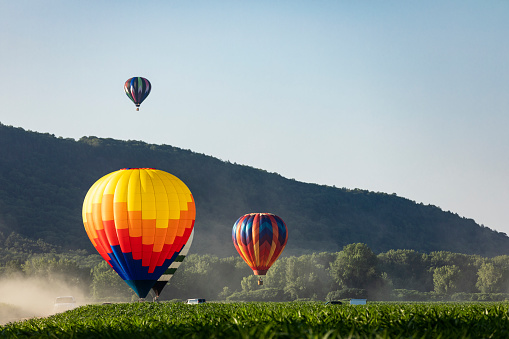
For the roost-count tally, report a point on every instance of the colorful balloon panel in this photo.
(139, 220)
(259, 238)
(168, 274)
(137, 89)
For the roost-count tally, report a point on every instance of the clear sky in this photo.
(405, 97)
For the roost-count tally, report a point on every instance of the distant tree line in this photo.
(354, 272)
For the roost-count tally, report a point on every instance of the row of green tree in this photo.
(354, 272)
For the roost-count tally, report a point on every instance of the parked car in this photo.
(195, 301)
(63, 304)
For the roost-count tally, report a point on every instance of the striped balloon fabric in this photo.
(139, 219)
(168, 274)
(259, 238)
(137, 89)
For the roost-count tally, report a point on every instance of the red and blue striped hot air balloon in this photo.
(259, 238)
(137, 89)
(139, 220)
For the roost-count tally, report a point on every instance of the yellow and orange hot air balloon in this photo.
(139, 219)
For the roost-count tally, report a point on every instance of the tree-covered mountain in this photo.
(43, 180)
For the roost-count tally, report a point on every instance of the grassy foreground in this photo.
(271, 320)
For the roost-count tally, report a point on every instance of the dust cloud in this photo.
(22, 298)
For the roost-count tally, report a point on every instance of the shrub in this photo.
(347, 293)
(265, 294)
(480, 296)
(414, 295)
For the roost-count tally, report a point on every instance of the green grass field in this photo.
(271, 320)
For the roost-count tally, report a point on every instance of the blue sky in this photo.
(400, 97)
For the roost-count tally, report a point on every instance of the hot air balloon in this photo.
(168, 274)
(137, 89)
(139, 219)
(259, 238)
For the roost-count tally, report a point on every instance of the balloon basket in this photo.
(137, 108)
(260, 281)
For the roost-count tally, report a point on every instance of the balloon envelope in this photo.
(259, 238)
(138, 219)
(137, 89)
(168, 274)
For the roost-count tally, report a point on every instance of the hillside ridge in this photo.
(43, 180)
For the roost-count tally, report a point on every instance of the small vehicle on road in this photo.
(195, 301)
(63, 304)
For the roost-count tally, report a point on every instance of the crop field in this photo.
(270, 320)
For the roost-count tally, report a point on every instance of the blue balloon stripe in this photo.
(234, 232)
(113, 262)
(245, 231)
(136, 270)
(249, 230)
(120, 260)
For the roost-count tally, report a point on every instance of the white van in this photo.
(195, 301)
(64, 304)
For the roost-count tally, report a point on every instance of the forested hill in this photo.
(43, 180)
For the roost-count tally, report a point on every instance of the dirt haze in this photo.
(29, 297)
